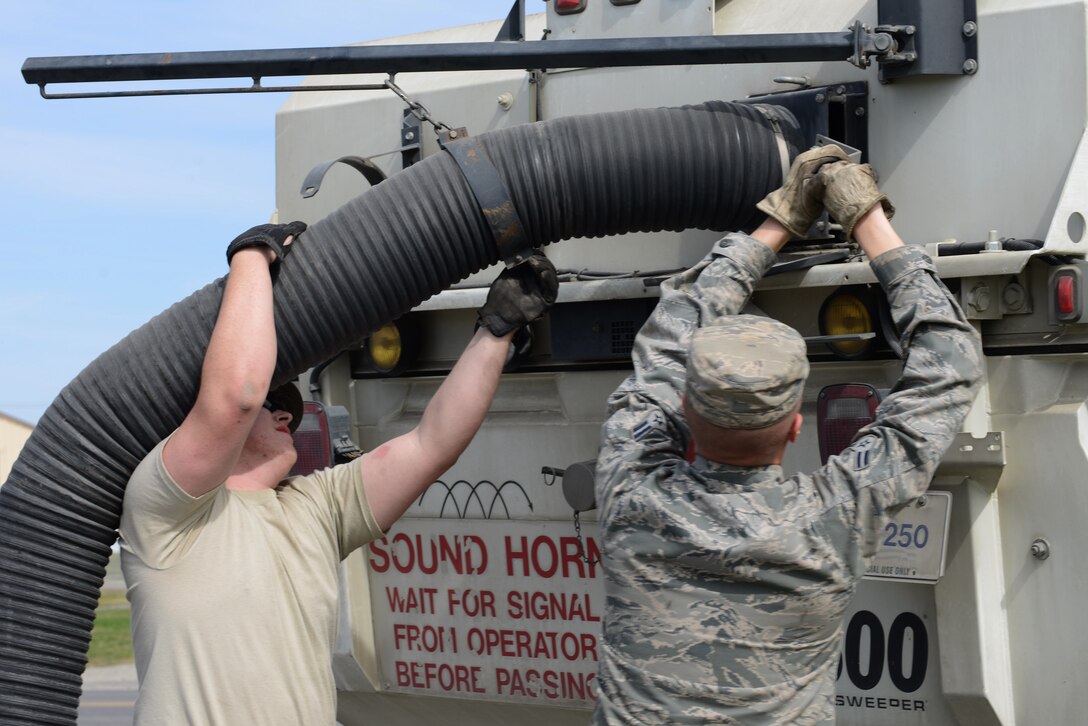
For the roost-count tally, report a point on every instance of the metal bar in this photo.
(255, 88)
(608, 52)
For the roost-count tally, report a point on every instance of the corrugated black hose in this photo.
(368, 262)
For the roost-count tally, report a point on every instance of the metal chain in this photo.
(581, 544)
(550, 475)
(416, 108)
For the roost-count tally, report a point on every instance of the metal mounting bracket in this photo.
(513, 29)
(934, 37)
(981, 459)
(410, 139)
(852, 153)
(827, 114)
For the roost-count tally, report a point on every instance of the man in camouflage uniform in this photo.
(726, 581)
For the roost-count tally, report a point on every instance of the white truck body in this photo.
(478, 607)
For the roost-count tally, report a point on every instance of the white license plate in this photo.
(912, 544)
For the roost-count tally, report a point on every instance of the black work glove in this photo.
(272, 236)
(520, 295)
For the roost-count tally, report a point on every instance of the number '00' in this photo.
(894, 646)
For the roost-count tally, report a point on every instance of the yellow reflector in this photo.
(385, 348)
(846, 314)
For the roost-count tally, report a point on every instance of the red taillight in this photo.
(1066, 295)
(569, 7)
(842, 409)
(312, 440)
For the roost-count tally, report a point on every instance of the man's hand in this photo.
(797, 203)
(850, 192)
(520, 295)
(276, 237)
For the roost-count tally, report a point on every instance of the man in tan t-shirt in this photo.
(231, 566)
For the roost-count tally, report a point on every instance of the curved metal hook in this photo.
(312, 183)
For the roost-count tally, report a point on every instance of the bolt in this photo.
(882, 42)
(859, 111)
(921, 501)
(970, 28)
(840, 90)
(820, 98)
(909, 29)
(1040, 549)
(506, 101)
(970, 66)
(1014, 296)
(979, 297)
(453, 134)
(408, 135)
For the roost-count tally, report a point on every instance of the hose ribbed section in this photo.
(368, 262)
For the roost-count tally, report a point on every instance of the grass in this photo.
(111, 641)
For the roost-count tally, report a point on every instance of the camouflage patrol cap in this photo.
(746, 372)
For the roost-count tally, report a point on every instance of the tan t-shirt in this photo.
(234, 595)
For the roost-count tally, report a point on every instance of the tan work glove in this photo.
(798, 202)
(850, 191)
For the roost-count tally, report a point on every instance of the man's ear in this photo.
(795, 428)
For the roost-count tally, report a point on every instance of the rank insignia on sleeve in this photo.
(862, 452)
(652, 422)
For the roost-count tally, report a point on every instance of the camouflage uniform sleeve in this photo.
(892, 461)
(645, 418)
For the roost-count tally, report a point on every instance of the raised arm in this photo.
(397, 472)
(237, 367)
(721, 284)
(895, 457)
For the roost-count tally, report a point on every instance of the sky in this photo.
(114, 209)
